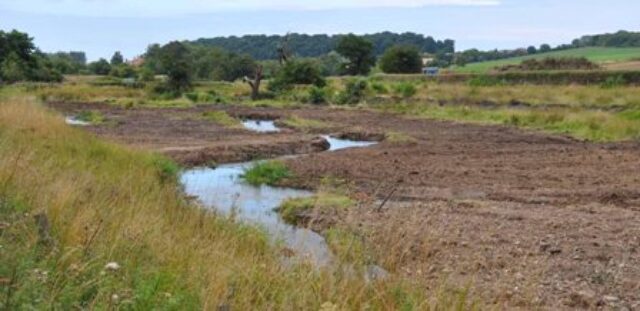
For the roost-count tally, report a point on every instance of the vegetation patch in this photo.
(348, 246)
(221, 118)
(584, 124)
(292, 210)
(92, 116)
(266, 173)
(399, 138)
(552, 63)
(304, 124)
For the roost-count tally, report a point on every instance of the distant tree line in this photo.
(619, 39)
(263, 47)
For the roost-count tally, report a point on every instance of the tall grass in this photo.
(593, 125)
(108, 204)
(266, 173)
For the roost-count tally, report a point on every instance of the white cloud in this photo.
(172, 7)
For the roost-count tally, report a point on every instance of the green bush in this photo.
(166, 168)
(93, 117)
(291, 209)
(379, 88)
(317, 95)
(198, 97)
(266, 173)
(613, 81)
(406, 90)
(302, 72)
(354, 92)
(123, 71)
(480, 81)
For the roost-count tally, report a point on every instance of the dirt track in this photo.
(526, 219)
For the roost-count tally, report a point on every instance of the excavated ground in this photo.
(524, 219)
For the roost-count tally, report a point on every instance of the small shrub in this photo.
(406, 90)
(93, 117)
(379, 88)
(613, 82)
(162, 91)
(484, 80)
(317, 95)
(291, 210)
(166, 168)
(266, 173)
(198, 97)
(353, 93)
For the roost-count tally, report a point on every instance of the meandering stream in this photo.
(223, 189)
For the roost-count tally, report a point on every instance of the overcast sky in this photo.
(100, 27)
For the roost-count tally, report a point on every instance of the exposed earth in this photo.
(524, 219)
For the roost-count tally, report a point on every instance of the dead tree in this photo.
(284, 53)
(255, 82)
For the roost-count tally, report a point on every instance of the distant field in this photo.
(595, 54)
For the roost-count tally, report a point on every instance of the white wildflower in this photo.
(112, 266)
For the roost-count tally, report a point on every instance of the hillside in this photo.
(601, 55)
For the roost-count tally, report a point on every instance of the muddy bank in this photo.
(215, 154)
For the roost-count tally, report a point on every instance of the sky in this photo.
(100, 27)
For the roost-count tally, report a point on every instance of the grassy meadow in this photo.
(600, 55)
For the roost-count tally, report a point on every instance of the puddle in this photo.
(339, 144)
(75, 121)
(261, 126)
(222, 188)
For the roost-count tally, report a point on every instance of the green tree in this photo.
(117, 59)
(21, 61)
(176, 60)
(123, 71)
(545, 48)
(332, 63)
(532, 50)
(359, 52)
(297, 72)
(401, 59)
(100, 67)
(14, 69)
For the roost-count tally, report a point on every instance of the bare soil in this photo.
(525, 219)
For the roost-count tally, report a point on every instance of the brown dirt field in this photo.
(526, 220)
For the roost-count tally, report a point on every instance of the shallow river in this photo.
(224, 190)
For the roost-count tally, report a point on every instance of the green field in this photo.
(595, 54)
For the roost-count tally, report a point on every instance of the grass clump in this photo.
(304, 124)
(266, 173)
(292, 209)
(348, 246)
(399, 138)
(221, 118)
(92, 116)
(405, 90)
